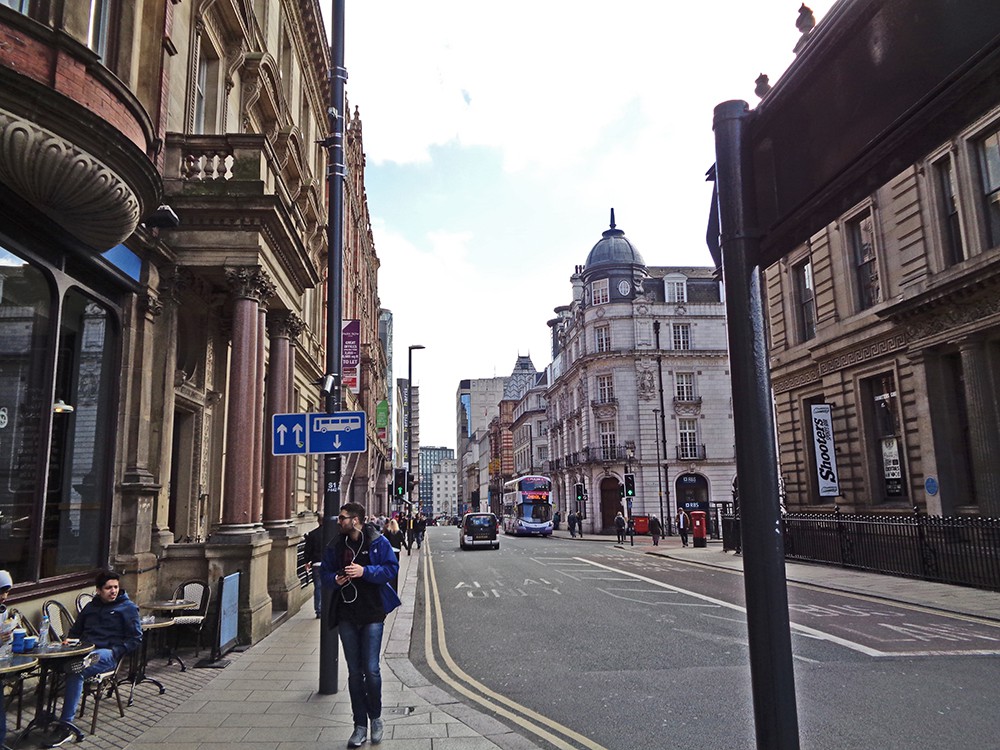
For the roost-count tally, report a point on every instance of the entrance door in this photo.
(611, 504)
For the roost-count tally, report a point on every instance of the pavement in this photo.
(266, 698)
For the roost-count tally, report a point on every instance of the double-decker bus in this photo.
(527, 508)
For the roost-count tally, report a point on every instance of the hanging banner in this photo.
(826, 459)
(350, 353)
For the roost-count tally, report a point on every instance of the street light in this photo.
(659, 477)
(409, 417)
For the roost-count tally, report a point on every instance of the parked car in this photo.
(478, 530)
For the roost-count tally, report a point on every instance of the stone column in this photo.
(249, 285)
(983, 425)
(276, 489)
(258, 416)
(289, 465)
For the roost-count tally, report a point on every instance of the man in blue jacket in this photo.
(357, 568)
(111, 622)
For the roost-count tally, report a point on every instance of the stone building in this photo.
(639, 383)
(163, 255)
(530, 428)
(887, 321)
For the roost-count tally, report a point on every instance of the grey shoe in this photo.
(359, 737)
(377, 729)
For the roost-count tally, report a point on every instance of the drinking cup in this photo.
(30, 641)
(18, 641)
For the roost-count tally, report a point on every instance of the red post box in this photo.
(699, 528)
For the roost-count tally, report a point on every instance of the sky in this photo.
(498, 136)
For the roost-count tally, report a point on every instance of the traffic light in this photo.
(629, 485)
(399, 484)
(621, 491)
(579, 492)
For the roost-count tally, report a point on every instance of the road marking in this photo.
(479, 690)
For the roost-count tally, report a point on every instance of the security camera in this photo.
(327, 385)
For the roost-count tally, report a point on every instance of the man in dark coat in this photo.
(314, 560)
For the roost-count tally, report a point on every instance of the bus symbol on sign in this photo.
(342, 422)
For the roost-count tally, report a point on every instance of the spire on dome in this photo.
(612, 218)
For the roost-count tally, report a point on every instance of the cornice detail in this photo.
(863, 353)
(796, 380)
(73, 188)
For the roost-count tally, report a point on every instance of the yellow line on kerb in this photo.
(480, 690)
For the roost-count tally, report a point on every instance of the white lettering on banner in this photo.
(826, 460)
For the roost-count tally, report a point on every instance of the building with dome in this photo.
(639, 384)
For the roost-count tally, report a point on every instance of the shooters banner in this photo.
(826, 457)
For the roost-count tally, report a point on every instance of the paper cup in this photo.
(30, 641)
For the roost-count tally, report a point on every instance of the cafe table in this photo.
(137, 666)
(51, 657)
(167, 608)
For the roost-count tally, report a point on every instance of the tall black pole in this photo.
(663, 428)
(659, 476)
(335, 171)
(771, 673)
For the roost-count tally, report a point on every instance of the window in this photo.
(684, 386)
(57, 446)
(676, 290)
(886, 435)
(687, 439)
(599, 292)
(609, 440)
(206, 91)
(681, 335)
(602, 336)
(605, 389)
(989, 172)
(951, 229)
(21, 6)
(805, 303)
(861, 240)
(99, 31)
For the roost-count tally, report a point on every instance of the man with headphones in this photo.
(357, 567)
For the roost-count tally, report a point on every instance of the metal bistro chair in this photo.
(193, 620)
(106, 684)
(60, 619)
(82, 600)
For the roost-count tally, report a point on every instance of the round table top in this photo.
(17, 663)
(171, 604)
(156, 622)
(61, 650)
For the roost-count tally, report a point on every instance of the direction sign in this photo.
(300, 434)
(341, 432)
(288, 437)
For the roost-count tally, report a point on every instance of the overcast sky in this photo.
(498, 137)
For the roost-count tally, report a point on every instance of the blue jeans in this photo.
(362, 644)
(74, 682)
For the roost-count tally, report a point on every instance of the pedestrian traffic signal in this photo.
(399, 483)
(621, 491)
(630, 485)
(579, 492)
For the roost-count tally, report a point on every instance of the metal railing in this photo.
(691, 453)
(958, 550)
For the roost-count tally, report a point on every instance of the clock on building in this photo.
(624, 288)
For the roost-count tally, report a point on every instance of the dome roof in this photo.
(613, 249)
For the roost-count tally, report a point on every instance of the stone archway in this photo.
(611, 504)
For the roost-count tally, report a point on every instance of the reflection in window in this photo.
(25, 408)
(989, 171)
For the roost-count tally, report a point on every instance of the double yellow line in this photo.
(458, 680)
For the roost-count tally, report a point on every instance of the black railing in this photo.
(691, 453)
(959, 550)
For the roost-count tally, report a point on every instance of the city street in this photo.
(585, 644)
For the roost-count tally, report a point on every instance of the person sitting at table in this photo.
(111, 622)
(6, 582)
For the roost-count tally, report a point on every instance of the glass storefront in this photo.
(58, 349)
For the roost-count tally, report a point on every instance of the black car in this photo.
(478, 530)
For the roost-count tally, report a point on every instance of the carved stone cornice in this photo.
(974, 310)
(250, 282)
(74, 188)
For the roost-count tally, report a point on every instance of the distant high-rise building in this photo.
(477, 403)
(430, 456)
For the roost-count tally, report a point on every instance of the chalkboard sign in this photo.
(229, 612)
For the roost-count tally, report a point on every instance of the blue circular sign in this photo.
(931, 485)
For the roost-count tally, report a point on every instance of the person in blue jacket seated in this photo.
(111, 622)
(357, 568)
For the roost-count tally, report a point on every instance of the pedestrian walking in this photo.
(571, 523)
(314, 560)
(406, 526)
(556, 518)
(358, 566)
(683, 524)
(655, 530)
(419, 529)
(620, 527)
(396, 540)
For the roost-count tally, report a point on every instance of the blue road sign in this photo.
(341, 432)
(290, 434)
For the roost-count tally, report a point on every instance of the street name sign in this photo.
(301, 434)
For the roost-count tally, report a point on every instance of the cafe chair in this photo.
(82, 600)
(60, 619)
(102, 684)
(16, 682)
(193, 620)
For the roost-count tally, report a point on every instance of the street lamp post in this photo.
(409, 418)
(659, 477)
